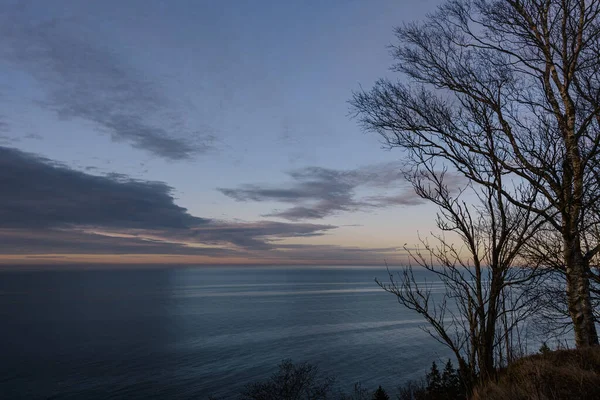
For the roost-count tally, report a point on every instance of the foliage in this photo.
(434, 381)
(380, 394)
(303, 382)
(544, 349)
(359, 393)
(446, 385)
(452, 386)
(412, 390)
(291, 382)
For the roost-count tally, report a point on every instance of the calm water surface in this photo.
(188, 333)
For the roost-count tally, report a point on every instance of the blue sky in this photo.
(225, 121)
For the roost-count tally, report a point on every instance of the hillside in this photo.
(562, 374)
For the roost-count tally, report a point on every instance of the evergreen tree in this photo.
(544, 349)
(434, 381)
(380, 394)
(451, 383)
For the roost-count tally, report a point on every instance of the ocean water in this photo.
(189, 333)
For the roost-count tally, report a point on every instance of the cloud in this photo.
(33, 136)
(83, 80)
(50, 211)
(38, 193)
(316, 193)
(64, 244)
(72, 241)
(257, 235)
(342, 254)
(49, 207)
(213, 240)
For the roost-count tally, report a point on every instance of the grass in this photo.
(561, 374)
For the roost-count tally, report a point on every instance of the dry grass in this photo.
(563, 374)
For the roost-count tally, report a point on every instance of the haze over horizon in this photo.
(185, 132)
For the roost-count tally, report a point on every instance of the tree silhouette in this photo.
(291, 382)
(513, 83)
(380, 394)
(483, 297)
(452, 386)
(434, 381)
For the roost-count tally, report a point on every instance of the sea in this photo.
(187, 333)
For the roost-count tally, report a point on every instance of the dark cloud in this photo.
(316, 193)
(257, 235)
(214, 240)
(38, 193)
(49, 207)
(62, 241)
(318, 211)
(84, 80)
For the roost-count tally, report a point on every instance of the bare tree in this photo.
(483, 301)
(291, 382)
(546, 249)
(526, 72)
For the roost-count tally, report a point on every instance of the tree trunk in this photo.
(466, 374)
(486, 358)
(578, 295)
(487, 363)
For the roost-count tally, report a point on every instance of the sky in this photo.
(199, 132)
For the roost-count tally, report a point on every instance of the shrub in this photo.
(291, 382)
